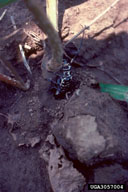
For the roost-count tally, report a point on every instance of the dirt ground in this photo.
(25, 117)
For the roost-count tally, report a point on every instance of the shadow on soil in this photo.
(21, 168)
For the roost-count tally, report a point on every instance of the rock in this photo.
(28, 142)
(86, 138)
(34, 141)
(93, 128)
(63, 176)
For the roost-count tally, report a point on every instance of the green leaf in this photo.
(5, 2)
(119, 92)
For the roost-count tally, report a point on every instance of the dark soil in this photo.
(27, 115)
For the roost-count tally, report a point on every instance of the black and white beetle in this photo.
(61, 84)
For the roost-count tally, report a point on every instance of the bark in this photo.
(37, 10)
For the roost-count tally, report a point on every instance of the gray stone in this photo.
(93, 128)
(63, 176)
(86, 138)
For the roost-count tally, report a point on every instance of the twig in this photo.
(11, 35)
(1, 114)
(24, 59)
(18, 82)
(124, 20)
(21, 48)
(108, 74)
(74, 58)
(93, 21)
(11, 69)
(13, 82)
(75, 62)
(13, 23)
(3, 14)
(100, 68)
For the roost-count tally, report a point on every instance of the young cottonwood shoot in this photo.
(36, 7)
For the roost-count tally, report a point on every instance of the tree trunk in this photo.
(36, 8)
